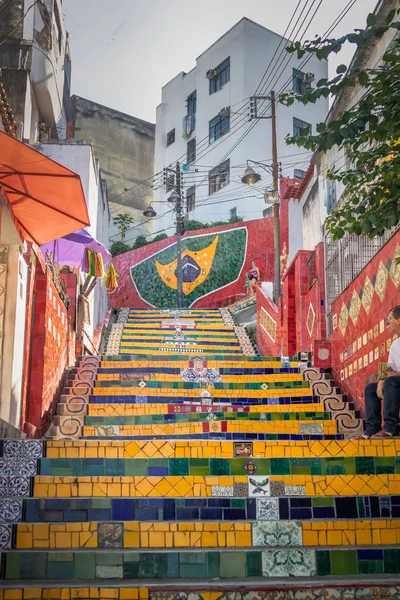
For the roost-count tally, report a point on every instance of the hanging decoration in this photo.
(111, 280)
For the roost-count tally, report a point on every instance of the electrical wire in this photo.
(19, 23)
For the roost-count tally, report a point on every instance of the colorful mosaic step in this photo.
(196, 470)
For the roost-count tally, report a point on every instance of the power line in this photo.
(19, 23)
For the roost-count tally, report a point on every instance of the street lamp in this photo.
(149, 212)
(251, 177)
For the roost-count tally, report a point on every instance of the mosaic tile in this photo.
(250, 467)
(382, 276)
(292, 563)
(5, 536)
(277, 534)
(240, 490)
(10, 509)
(222, 490)
(14, 487)
(277, 488)
(259, 486)
(27, 449)
(295, 490)
(18, 465)
(268, 508)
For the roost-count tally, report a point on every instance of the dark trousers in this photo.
(391, 406)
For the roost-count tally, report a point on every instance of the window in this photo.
(219, 177)
(331, 195)
(299, 173)
(170, 137)
(299, 126)
(300, 83)
(191, 152)
(191, 103)
(170, 182)
(218, 127)
(190, 198)
(232, 212)
(268, 212)
(221, 77)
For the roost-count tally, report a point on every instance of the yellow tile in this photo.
(128, 594)
(334, 538)
(388, 537)
(310, 538)
(363, 537)
(12, 594)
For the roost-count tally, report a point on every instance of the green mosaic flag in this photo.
(209, 263)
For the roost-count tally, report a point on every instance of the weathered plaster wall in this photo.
(124, 145)
(259, 248)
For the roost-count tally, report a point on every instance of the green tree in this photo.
(123, 222)
(368, 131)
(159, 237)
(119, 247)
(139, 242)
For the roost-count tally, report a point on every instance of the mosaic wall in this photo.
(360, 338)
(215, 264)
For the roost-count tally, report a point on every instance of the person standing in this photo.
(384, 396)
(253, 276)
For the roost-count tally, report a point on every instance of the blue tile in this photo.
(373, 554)
(146, 514)
(187, 514)
(189, 502)
(219, 503)
(251, 508)
(32, 510)
(157, 471)
(99, 514)
(324, 512)
(77, 516)
(300, 513)
(235, 514)
(284, 508)
(207, 514)
(169, 509)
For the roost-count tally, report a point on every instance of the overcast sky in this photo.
(124, 51)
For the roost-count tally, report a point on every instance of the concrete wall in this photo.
(124, 145)
(32, 60)
(79, 158)
(250, 48)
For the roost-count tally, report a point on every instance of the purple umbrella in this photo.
(71, 249)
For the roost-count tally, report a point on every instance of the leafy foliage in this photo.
(123, 222)
(119, 247)
(368, 131)
(192, 225)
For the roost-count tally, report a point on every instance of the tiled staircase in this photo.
(181, 466)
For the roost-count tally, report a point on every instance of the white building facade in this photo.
(204, 114)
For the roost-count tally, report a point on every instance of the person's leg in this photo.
(373, 410)
(391, 404)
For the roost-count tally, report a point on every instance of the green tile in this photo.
(280, 466)
(219, 466)
(60, 557)
(64, 570)
(33, 565)
(323, 563)
(318, 466)
(109, 558)
(192, 571)
(232, 564)
(361, 507)
(323, 501)
(153, 565)
(173, 565)
(366, 567)
(365, 465)
(101, 503)
(238, 503)
(12, 565)
(193, 558)
(178, 466)
(136, 467)
(212, 564)
(254, 564)
(85, 565)
(343, 562)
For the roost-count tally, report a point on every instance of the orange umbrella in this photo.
(46, 200)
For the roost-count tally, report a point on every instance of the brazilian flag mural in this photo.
(209, 263)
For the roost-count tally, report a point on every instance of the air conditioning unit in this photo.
(211, 73)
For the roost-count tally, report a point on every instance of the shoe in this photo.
(382, 435)
(360, 436)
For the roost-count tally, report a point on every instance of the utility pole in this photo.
(254, 114)
(179, 231)
(275, 183)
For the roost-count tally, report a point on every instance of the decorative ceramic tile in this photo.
(268, 509)
(23, 449)
(367, 295)
(123, 315)
(243, 449)
(355, 307)
(259, 486)
(14, 487)
(289, 563)
(10, 509)
(205, 376)
(277, 488)
(111, 535)
(295, 490)
(240, 490)
(310, 319)
(277, 533)
(11, 467)
(250, 467)
(311, 428)
(381, 280)
(5, 536)
(343, 319)
(395, 267)
(222, 490)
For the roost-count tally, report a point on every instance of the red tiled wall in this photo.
(53, 340)
(268, 344)
(259, 248)
(369, 326)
